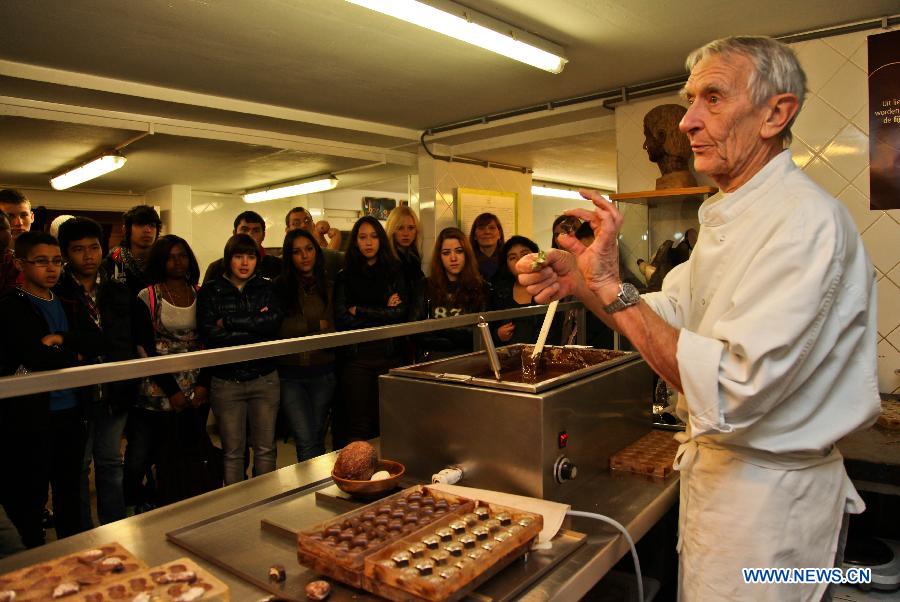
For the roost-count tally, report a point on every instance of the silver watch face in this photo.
(629, 294)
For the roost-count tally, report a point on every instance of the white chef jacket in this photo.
(777, 358)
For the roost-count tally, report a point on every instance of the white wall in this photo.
(831, 144)
(438, 183)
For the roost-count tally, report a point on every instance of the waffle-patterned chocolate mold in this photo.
(339, 547)
(457, 562)
(452, 546)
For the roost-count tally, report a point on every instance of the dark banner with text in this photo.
(884, 120)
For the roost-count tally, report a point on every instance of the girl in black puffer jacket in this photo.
(237, 309)
(369, 291)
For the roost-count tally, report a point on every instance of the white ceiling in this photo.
(260, 91)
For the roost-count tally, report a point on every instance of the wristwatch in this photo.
(628, 296)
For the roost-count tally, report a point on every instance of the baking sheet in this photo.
(247, 541)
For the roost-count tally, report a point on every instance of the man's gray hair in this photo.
(776, 69)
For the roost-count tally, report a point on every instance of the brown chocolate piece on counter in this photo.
(356, 462)
(318, 590)
(277, 573)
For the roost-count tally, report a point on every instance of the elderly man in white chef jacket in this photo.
(768, 332)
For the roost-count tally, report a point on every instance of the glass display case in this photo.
(653, 217)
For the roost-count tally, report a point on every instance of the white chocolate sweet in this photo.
(195, 593)
(66, 588)
(380, 475)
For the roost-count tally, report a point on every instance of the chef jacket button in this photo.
(721, 238)
(702, 301)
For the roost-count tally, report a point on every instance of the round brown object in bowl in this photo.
(373, 489)
(356, 462)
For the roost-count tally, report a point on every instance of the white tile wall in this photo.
(831, 143)
(450, 176)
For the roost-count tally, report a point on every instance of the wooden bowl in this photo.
(369, 489)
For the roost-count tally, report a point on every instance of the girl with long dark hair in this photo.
(307, 378)
(369, 291)
(455, 287)
(172, 274)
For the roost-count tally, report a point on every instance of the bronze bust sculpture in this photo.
(668, 147)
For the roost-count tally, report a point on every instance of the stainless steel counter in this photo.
(636, 502)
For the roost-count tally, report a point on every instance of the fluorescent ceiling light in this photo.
(451, 19)
(283, 191)
(560, 193)
(88, 171)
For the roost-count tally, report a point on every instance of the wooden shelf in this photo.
(660, 194)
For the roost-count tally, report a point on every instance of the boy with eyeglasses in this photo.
(41, 435)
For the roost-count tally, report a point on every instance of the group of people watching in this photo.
(67, 303)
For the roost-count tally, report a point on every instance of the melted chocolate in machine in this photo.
(530, 436)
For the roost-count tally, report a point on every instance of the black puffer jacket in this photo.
(122, 328)
(369, 290)
(21, 329)
(244, 320)
(411, 263)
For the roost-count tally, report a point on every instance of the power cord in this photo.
(617, 525)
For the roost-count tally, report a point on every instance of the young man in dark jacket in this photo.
(105, 308)
(41, 435)
(125, 263)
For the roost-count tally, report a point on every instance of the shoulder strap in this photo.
(154, 306)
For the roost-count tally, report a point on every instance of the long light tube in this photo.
(88, 171)
(560, 193)
(298, 189)
(469, 26)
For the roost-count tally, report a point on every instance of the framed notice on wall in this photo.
(473, 203)
(884, 120)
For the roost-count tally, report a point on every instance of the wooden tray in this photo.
(90, 570)
(652, 455)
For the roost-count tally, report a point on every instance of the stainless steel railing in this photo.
(53, 380)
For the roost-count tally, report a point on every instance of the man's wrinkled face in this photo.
(722, 123)
(19, 215)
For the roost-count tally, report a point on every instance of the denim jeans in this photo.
(147, 431)
(233, 403)
(104, 440)
(306, 403)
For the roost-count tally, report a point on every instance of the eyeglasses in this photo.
(43, 262)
